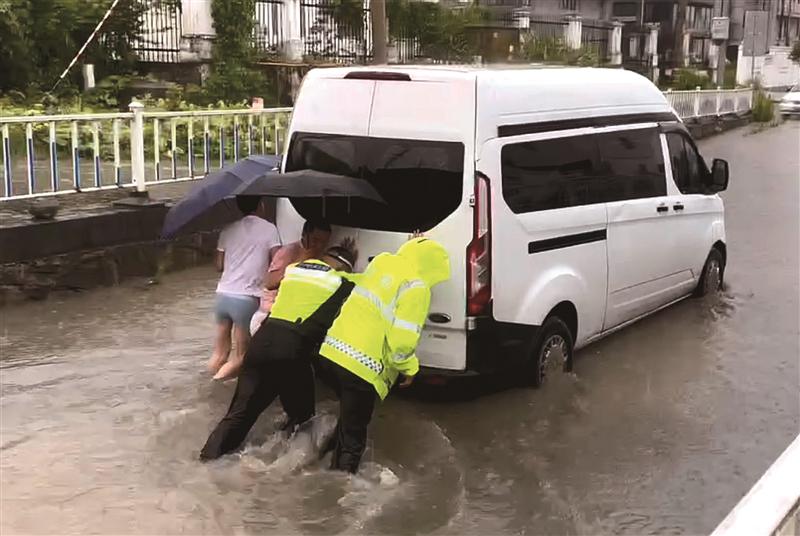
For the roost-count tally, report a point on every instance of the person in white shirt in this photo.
(244, 252)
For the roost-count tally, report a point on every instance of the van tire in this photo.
(553, 340)
(713, 274)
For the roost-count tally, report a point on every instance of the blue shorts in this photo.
(236, 308)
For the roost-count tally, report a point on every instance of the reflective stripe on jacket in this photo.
(379, 327)
(305, 286)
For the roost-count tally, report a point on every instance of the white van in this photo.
(572, 200)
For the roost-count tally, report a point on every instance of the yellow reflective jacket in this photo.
(377, 332)
(305, 286)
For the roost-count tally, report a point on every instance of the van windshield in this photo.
(421, 181)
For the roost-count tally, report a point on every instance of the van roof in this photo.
(507, 95)
(589, 80)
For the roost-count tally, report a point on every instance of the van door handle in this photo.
(677, 207)
(662, 208)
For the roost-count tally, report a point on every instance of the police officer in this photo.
(374, 338)
(278, 360)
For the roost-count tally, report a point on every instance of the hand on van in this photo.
(349, 244)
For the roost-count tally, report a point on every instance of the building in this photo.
(635, 14)
(784, 19)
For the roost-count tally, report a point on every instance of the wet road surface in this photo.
(664, 426)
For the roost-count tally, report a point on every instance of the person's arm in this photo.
(413, 303)
(277, 269)
(219, 256)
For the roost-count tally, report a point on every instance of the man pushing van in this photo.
(374, 338)
(278, 360)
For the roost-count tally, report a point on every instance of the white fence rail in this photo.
(56, 154)
(772, 506)
(710, 102)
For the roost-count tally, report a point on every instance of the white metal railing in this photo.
(710, 102)
(772, 506)
(55, 154)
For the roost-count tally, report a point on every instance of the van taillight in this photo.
(479, 251)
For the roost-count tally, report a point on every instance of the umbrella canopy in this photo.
(310, 183)
(214, 188)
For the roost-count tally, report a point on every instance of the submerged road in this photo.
(663, 427)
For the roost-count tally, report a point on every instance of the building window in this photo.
(570, 5)
(583, 170)
(625, 9)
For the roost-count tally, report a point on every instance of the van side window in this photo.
(688, 169)
(632, 163)
(550, 174)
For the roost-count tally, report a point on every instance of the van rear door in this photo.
(413, 141)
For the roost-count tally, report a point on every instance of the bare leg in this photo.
(222, 346)
(241, 339)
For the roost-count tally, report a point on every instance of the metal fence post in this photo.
(697, 101)
(137, 146)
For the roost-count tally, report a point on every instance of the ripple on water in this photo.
(280, 485)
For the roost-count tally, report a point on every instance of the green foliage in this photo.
(40, 37)
(348, 13)
(233, 77)
(442, 32)
(555, 50)
(763, 107)
(685, 79)
(794, 55)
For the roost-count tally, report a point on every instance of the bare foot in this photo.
(229, 370)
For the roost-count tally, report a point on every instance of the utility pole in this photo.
(722, 44)
(377, 10)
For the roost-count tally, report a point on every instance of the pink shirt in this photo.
(286, 255)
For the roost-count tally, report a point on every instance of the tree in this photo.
(16, 46)
(233, 77)
(40, 37)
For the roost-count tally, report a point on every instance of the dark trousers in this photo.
(356, 403)
(274, 366)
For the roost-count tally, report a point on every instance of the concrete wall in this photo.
(774, 70)
(739, 7)
(196, 18)
(588, 9)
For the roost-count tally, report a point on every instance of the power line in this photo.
(86, 44)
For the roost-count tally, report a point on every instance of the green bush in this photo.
(233, 77)
(441, 32)
(794, 55)
(763, 107)
(555, 50)
(685, 79)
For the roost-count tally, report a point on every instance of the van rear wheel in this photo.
(551, 352)
(712, 276)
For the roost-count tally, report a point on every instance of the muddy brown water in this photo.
(662, 428)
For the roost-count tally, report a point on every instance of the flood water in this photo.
(662, 428)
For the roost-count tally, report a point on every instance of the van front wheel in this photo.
(551, 352)
(712, 276)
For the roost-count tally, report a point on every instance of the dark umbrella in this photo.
(310, 183)
(214, 188)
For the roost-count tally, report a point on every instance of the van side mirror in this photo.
(719, 175)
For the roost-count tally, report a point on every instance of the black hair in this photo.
(343, 255)
(316, 225)
(247, 204)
